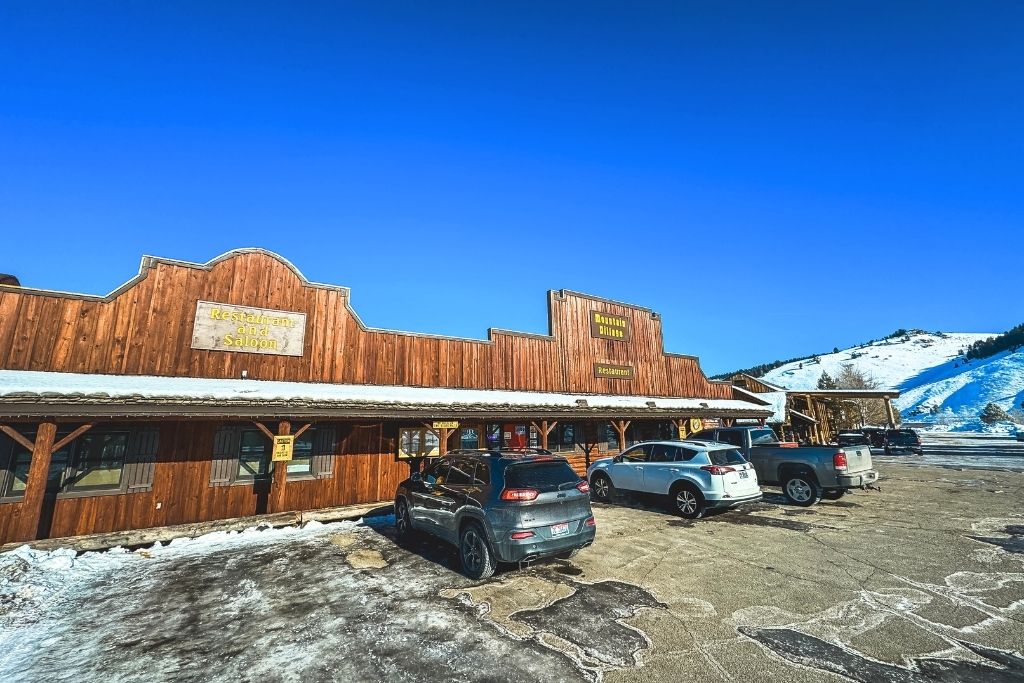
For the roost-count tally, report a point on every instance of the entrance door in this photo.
(515, 435)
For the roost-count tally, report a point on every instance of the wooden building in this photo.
(163, 402)
(803, 414)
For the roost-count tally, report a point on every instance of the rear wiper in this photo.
(567, 483)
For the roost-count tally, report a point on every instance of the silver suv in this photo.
(498, 506)
(694, 476)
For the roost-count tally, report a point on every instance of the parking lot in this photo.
(921, 581)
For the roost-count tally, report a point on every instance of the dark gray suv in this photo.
(498, 506)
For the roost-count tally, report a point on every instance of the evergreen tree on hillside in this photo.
(1009, 341)
(826, 381)
(993, 413)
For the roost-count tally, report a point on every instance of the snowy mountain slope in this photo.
(938, 387)
(891, 362)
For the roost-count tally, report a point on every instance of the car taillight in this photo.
(839, 460)
(590, 522)
(519, 494)
(718, 469)
(583, 487)
(520, 535)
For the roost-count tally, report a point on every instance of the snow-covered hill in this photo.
(938, 387)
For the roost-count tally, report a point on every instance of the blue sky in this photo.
(775, 178)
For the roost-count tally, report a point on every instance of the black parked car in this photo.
(498, 506)
(902, 441)
(876, 435)
(853, 439)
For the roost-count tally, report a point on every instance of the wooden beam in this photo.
(17, 436)
(302, 429)
(71, 437)
(35, 488)
(263, 428)
(544, 429)
(276, 502)
(621, 426)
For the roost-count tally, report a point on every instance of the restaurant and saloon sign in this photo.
(606, 371)
(225, 327)
(608, 326)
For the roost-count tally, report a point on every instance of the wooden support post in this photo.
(35, 488)
(890, 413)
(280, 482)
(544, 429)
(621, 426)
(442, 435)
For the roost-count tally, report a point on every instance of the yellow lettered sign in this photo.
(450, 424)
(283, 448)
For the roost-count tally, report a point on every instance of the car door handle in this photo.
(639, 467)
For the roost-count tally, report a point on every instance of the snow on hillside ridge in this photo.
(937, 386)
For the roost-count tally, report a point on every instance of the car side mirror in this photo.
(617, 459)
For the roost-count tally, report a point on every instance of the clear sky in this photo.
(775, 178)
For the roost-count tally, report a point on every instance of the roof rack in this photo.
(499, 451)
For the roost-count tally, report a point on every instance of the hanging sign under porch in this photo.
(284, 447)
(449, 424)
(226, 327)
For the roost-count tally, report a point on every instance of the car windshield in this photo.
(762, 437)
(726, 457)
(547, 475)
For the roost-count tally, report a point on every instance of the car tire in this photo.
(403, 522)
(887, 451)
(475, 552)
(686, 501)
(602, 488)
(833, 494)
(801, 488)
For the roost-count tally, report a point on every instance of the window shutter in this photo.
(325, 444)
(141, 462)
(225, 456)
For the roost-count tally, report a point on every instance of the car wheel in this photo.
(403, 522)
(477, 560)
(801, 489)
(602, 488)
(687, 502)
(833, 494)
(887, 451)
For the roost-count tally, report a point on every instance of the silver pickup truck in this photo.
(805, 473)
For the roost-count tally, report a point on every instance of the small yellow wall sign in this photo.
(696, 424)
(450, 424)
(284, 446)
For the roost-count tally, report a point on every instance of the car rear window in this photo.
(543, 476)
(763, 437)
(902, 437)
(726, 457)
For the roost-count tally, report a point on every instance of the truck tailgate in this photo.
(858, 459)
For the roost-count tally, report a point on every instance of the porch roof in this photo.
(26, 394)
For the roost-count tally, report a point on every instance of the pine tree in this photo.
(993, 413)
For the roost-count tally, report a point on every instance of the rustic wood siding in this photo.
(146, 330)
(182, 485)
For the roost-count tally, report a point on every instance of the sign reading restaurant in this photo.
(608, 326)
(225, 327)
(607, 371)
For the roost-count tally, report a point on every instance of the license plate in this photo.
(560, 529)
(744, 475)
